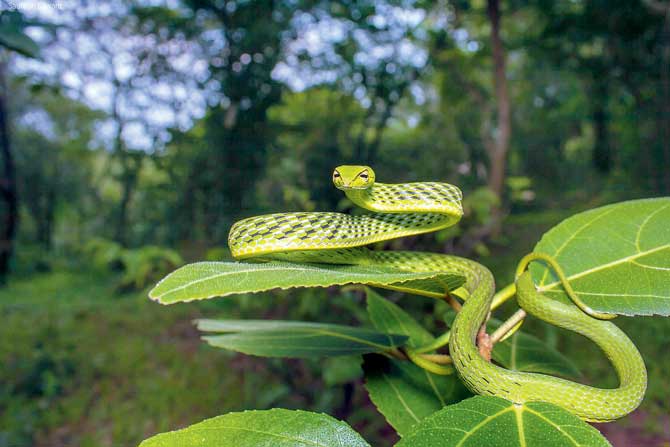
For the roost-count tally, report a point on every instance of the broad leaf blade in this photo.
(210, 279)
(388, 317)
(406, 394)
(617, 258)
(276, 427)
(296, 339)
(485, 420)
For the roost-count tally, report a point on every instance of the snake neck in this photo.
(423, 197)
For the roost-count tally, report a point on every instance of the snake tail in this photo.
(589, 403)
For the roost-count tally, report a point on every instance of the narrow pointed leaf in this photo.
(210, 279)
(276, 427)
(485, 420)
(296, 339)
(617, 258)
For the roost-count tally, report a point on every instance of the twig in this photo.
(453, 302)
(510, 324)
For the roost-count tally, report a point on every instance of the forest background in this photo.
(134, 133)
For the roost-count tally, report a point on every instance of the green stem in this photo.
(428, 365)
(439, 342)
(509, 327)
(396, 353)
(440, 359)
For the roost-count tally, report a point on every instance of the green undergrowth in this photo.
(85, 365)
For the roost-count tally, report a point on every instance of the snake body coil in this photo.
(414, 208)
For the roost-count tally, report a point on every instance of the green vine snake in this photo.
(413, 208)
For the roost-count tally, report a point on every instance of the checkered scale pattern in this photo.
(412, 208)
(407, 209)
(410, 197)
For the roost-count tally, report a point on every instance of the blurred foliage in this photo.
(13, 36)
(145, 265)
(293, 89)
(141, 267)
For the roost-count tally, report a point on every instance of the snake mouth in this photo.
(349, 187)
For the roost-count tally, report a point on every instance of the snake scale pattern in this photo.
(406, 209)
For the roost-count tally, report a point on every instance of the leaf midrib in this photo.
(604, 266)
(308, 334)
(400, 398)
(276, 435)
(411, 276)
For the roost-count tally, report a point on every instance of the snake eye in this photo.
(336, 174)
(364, 176)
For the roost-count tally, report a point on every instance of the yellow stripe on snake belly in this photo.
(413, 208)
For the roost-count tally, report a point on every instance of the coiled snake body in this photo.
(414, 208)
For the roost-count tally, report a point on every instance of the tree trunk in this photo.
(663, 120)
(132, 164)
(45, 226)
(9, 220)
(499, 147)
(602, 151)
(665, 99)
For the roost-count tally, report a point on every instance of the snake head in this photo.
(353, 177)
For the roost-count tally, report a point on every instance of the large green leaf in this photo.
(406, 394)
(525, 352)
(388, 317)
(296, 339)
(276, 428)
(401, 391)
(209, 279)
(617, 257)
(491, 421)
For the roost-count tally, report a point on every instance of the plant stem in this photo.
(440, 359)
(449, 298)
(396, 353)
(439, 342)
(428, 365)
(508, 327)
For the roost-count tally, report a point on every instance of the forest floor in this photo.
(83, 364)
